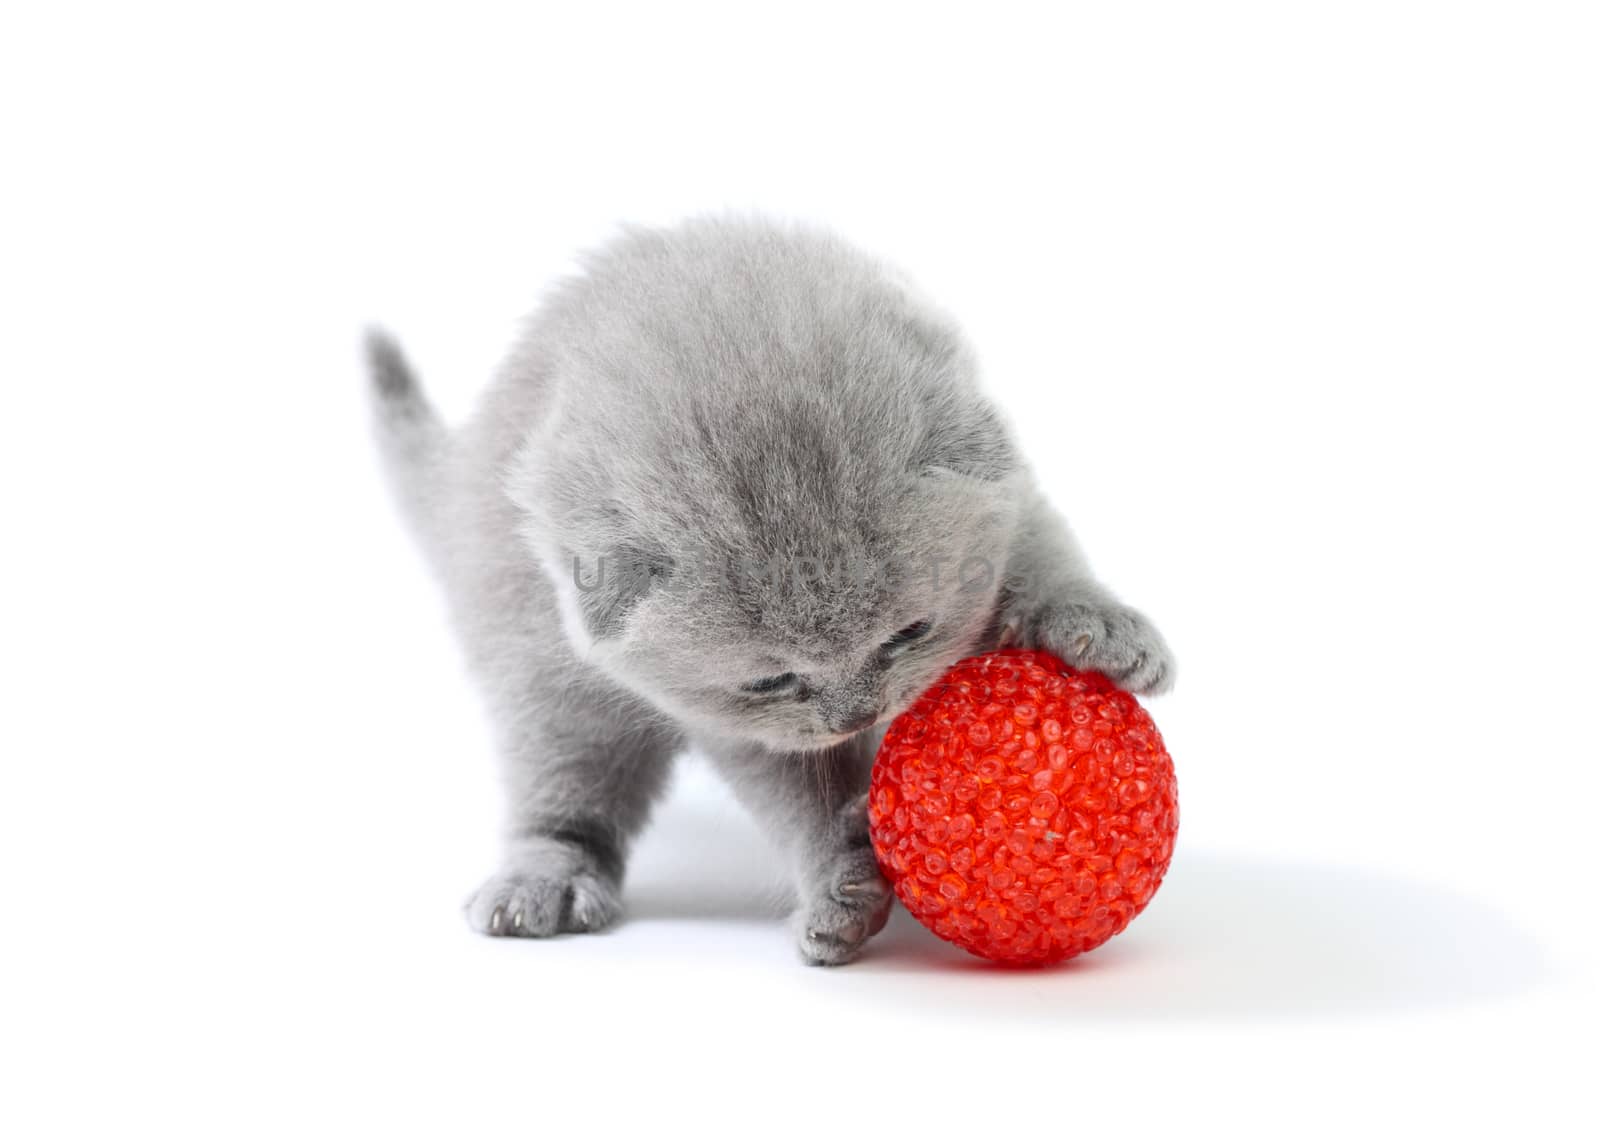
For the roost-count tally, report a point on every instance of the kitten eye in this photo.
(908, 634)
(769, 684)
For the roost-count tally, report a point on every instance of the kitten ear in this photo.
(608, 586)
(970, 442)
(600, 567)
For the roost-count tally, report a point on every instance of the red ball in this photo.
(1024, 810)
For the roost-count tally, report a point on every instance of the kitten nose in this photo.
(856, 722)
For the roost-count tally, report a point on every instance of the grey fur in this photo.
(668, 493)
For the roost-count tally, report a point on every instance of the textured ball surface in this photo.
(1024, 810)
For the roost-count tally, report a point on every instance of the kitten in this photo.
(734, 488)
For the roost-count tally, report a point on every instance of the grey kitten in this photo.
(735, 487)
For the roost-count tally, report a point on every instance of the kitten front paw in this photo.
(833, 925)
(542, 896)
(846, 899)
(1112, 639)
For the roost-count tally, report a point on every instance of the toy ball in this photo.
(1023, 810)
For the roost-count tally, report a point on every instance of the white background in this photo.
(1294, 306)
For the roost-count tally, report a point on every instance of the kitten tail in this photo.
(411, 436)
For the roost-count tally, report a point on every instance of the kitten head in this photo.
(792, 590)
(769, 493)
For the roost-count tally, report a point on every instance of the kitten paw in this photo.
(1116, 641)
(851, 905)
(544, 896)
